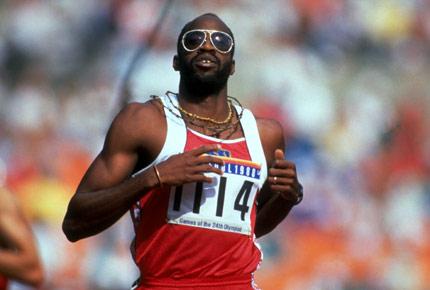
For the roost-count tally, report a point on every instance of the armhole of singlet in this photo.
(253, 141)
(175, 131)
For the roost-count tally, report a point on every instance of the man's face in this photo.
(205, 68)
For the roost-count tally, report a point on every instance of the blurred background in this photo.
(349, 80)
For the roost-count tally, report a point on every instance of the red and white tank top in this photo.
(201, 235)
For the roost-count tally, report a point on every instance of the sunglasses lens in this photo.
(193, 39)
(222, 41)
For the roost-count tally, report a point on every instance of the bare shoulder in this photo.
(270, 129)
(136, 112)
(139, 117)
(271, 135)
(137, 126)
(269, 126)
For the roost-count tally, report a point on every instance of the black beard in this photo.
(204, 85)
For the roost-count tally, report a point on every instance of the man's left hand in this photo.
(283, 178)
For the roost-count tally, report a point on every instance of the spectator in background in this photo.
(19, 259)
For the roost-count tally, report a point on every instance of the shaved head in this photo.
(194, 24)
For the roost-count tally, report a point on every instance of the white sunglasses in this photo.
(194, 39)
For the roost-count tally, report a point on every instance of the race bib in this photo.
(223, 205)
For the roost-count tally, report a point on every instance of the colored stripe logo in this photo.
(240, 167)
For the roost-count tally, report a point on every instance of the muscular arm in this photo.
(19, 259)
(276, 198)
(107, 190)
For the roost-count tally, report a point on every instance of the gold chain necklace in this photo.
(193, 116)
(217, 129)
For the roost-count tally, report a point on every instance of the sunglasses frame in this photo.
(206, 32)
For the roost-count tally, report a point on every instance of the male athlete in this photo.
(19, 259)
(203, 178)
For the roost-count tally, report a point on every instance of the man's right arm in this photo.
(107, 190)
